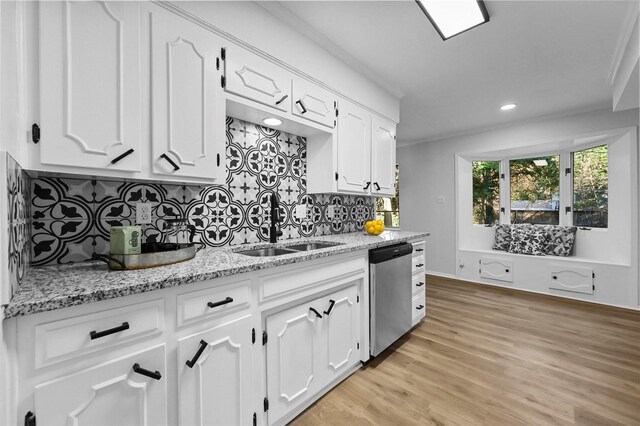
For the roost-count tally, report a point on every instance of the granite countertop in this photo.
(54, 287)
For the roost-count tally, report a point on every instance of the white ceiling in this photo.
(550, 57)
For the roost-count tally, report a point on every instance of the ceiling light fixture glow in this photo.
(452, 17)
(507, 107)
(272, 121)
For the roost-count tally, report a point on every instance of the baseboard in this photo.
(440, 274)
(536, 293)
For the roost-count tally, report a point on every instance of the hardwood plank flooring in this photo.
(491, 356)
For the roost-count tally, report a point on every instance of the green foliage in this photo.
(532, 183)
(486, 191)
(388, 209)
(590, 187)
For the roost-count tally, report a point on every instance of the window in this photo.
(535, 190)
(388, 209)
(590, 187)
(486, 192)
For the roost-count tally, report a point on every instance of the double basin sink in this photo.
(279, 251)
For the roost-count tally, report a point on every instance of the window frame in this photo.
(565, 187)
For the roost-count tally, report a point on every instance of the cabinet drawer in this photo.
(417, 264)
(313, 103)
(418, 307)
(214, 301)
(66, 339)
(418, 283)
(418, 248)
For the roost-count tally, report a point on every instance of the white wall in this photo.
(427, 172)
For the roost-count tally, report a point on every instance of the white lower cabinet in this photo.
(126, 391)
(215, 375)
(309, 346)
(496, 269)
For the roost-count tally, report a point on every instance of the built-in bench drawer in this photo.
(66, 339)
(418, 307)
(214, 301)
(418, 283)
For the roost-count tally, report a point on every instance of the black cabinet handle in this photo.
(175, 166)
(506, 270)
(367, 185)
(419, 249)
(315, 312)
(282, 99)
(192, 362)
(299, 102)
(377, 186)
(98, 334)
(153, 374)
(420, 284)
(555, 277)
(331, 303)
(220, 303)
(419, 265)
(419, 307)
(121, 156)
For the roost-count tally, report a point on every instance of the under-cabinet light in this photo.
(452, 17)
(272, 121)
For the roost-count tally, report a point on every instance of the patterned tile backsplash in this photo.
(71, 218)
(17, 222)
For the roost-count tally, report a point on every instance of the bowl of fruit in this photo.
(374, 227)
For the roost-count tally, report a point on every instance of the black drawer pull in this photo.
(304, 110)
(152, 374)
(282, 99)
(192, 362)
(506, 270)
(331, 303)
(175, 166)
(220, 303)
(420, 284)
(419, 249)
(419, 265)
(367, 185)
(377, 186)
(121, 156)
(315, 312)
(555, 277)
(419, 308)
(98, 334)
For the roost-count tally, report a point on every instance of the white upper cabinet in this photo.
(313, 102)
(383, 157)
(354, 148)
(188, 111)
(257, 79)
(90, 85)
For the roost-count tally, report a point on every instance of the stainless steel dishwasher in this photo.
(390, 289)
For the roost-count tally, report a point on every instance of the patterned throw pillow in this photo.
(503, 237)
(561, 240)
(528, 240)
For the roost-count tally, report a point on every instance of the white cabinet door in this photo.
(496, 269)
(383, 157)
(293, 358)
(216, 388)
(188, 109)
(255, 78)
(313, 102)
(570, 278)
(354, 149)
(109, 394)
(90, 85)
(340, 330)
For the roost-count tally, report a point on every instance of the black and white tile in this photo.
(18, 241)
(71, 218)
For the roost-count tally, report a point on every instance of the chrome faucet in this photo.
(274, 228)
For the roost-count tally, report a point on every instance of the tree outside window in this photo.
(535, 190)
(591, 187)
(486, 192)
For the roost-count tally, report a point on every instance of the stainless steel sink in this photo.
(265, 252)
(312, 246)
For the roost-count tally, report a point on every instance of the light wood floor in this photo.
(490, 356)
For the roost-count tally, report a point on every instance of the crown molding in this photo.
(289, 18)
(626, 32)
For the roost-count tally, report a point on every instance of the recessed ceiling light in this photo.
(272, 121)
(507, 107)
(451, 18)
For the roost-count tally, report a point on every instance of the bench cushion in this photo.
(528, 240)
(561, 240)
